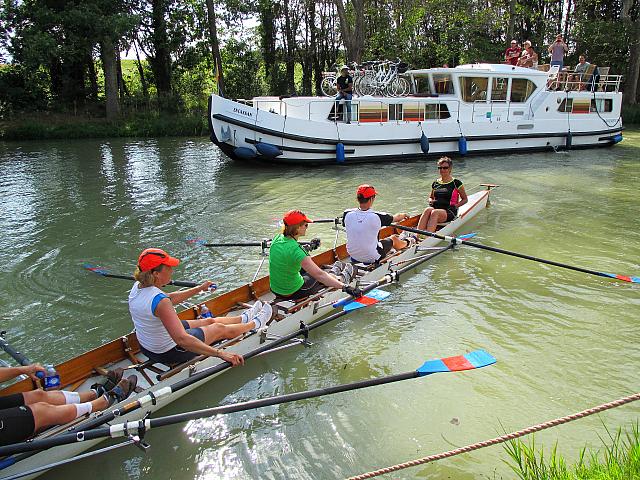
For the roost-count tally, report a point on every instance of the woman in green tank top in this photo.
(287, 258)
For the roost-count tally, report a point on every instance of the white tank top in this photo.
(149, 329)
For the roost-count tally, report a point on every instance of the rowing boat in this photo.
(160, 385)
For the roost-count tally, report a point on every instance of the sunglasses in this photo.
(443, 168)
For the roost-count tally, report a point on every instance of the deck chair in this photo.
(587, 78)
(552, 77)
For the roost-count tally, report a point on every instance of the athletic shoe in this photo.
(113, 377)
(411, 241)
(122, 390)
(248, 315)
(263, 316)
(336, 268)
(347, 273)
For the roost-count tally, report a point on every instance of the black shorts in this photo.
(308, 288)
(384, 246)
(176, 354)
(16, 424)
(451, 214)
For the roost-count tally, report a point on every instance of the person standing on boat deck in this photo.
(344, 84)
(287, 261)
(23, 415)
(557, 50)
(363, 225)
(512, 53)
(163, 337)
(529, 57)
(447, 195)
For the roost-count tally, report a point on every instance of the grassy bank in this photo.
(619, 459)
(50, 126)
(151, 124)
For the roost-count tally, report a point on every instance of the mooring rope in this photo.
(500, 439)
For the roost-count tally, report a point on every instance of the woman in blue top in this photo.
(447, 195)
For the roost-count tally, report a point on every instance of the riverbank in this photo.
(620, 459)
(152, 124)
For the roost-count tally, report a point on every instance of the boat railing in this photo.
(568, 81)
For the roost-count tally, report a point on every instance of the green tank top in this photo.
(285, 259)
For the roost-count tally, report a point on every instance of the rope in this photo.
(500, 439)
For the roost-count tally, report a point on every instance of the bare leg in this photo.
(54, 398)
(218, 331)
(397, 243)
(46, 415)
(204, 322)
(424, 218)
(436, 217)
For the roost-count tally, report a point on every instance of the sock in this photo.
(245, 317)
(83, 409)
(71, 397)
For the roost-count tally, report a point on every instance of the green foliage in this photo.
(619, 461)
(631, 114)
(241, 63)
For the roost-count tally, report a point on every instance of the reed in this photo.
(619, 459)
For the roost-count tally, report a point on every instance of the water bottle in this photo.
(51, 378)
(205, 312)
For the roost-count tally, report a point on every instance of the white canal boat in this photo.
(480, 108)
(159, 385)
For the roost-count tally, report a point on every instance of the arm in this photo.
(463, 196)
(12, 372)
(432, 197)
(398, 217)
(182, 295)
(171, 322)
(323, 277)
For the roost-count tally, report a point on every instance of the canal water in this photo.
(564, 340)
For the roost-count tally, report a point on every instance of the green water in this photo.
(564, 340)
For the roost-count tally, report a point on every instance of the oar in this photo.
(463, 241)
(105, 273)
(469, 361)
(313, 244)
(19, 357)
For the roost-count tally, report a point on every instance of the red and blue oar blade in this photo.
(468, 361)
(624, 278)
(370, 298)
(95, 269)
(195, 241)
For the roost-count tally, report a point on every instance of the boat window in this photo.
(601, 105)
(474, 89)
(499, 88)
(395, 111)
(436, 111)
(443, 83)
(521, 89)
(422, 85)
(566, 105)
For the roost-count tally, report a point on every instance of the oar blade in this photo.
(370, 298)
(95, 269)
(195, 241)
(468, 361)
(466, 236)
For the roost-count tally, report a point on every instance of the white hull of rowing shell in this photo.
(301, 132)
(477, 202)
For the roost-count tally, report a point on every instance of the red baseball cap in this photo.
(294, 217)
(366, 190)
(154, 257)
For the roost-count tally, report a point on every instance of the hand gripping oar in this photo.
(312, 244)
(16, 355)
(469, 361)
(463, 241)
(105, 273)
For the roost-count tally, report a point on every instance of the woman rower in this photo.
(163, 337)
(287, 258)
(447, 195)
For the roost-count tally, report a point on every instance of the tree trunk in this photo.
(267, 21)
(352, 36)
(215, 46)
(93, 78)
(161, 60)
(633, 73)
(110, 68)
(290, 48)
(512, 20)
(122, 87)
(143, 79)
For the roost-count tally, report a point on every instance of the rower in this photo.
(363, 225)
(22, 415)
(163, 337)
(447, 195)
(287, 258)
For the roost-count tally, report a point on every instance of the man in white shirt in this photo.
(363, 225)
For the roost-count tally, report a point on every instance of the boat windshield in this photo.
(474, 89)
(422, 86)
(443, 84)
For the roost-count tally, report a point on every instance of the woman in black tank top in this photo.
(447, 195)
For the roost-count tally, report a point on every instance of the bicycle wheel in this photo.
(328, 86)
(403, 87)
(367, 86)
